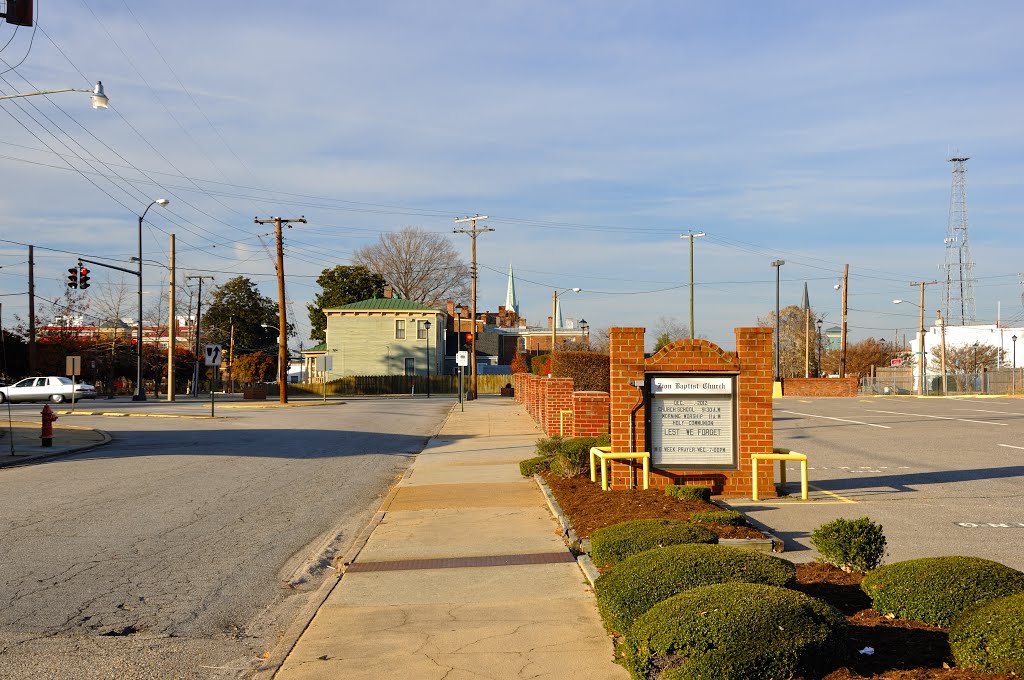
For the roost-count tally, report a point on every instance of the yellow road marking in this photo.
(842, 499)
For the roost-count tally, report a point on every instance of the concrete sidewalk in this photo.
(465, 577)
(23, 437)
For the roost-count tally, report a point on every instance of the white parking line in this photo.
(985, 410)
(923, 415)
(842, 420)
(1013, 447)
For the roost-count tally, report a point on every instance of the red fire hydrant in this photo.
(48, 419)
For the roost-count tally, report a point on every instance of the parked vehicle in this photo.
(49, 388)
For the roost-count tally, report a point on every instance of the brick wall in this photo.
(558, 398)
(590, 414)
(752, 361)
(820, 387)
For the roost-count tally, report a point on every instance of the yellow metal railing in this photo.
(604, 454)
(781, 455)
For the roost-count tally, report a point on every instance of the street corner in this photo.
(22, 442)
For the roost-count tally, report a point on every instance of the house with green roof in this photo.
(384, 336)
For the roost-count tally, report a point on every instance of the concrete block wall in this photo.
(820, 387)
(752, 361)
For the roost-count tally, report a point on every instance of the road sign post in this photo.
(214, 355)
(73, 367)
(462, 360)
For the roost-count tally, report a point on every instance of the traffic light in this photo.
(469, 339)
(83, 277)
(72, 277)
(19, 12)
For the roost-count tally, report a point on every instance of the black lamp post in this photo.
(819, 322)
(1014, 374)
(585, 327)
(427, 326)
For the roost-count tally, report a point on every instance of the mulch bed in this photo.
(903, 650)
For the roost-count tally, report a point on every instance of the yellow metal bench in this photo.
(604, 454)
(781, 455)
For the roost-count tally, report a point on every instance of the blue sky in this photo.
(592, 133)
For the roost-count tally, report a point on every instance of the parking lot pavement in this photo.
(942, 476)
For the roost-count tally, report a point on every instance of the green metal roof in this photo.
(322, 347)
(382, 304)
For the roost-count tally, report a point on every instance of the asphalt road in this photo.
(942, 476)
(185, 547)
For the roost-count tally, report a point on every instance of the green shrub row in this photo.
(855, 545)
(990, 638)
(739, 631)
(689, 493)
(611, 545)
(564, 456)
(641, 581)
(936, 590)
(729, 517)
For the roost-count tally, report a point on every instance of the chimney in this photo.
(450, 306)
(389, 292)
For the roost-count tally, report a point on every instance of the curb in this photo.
(30, 459)
(121, 414)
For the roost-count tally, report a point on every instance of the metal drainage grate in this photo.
(457, 562)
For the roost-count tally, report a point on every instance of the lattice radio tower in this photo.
(959, 265)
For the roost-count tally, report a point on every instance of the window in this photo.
(421, 330)
(410, 366)
(399, 329)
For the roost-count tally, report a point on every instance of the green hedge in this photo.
(611, 545)
(531, 466)
(936, 590)
(739, 631)
(689, 493)
(640, 582)
(990, 638)
(568, 456)
(590, 371)
(729, 517)
(857, 544)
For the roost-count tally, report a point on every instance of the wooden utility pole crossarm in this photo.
(282, 315)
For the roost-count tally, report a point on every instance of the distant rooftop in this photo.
(382, 304)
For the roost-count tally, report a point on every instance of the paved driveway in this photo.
(943, 476)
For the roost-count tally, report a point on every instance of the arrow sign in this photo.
(213, 355)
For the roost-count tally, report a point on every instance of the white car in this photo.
(50, 388)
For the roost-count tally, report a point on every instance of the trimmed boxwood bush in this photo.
(569, 456)
(611, 545)
(689, 493)
(852, 544)
(739, 631)
(730, 517)
(643, 580)
(990, 638)
(936, 590)
(531, 466)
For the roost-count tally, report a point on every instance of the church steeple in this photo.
(511, 303)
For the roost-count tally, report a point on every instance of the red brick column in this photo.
(754, 416)
(590, 414)
(626, 346)
(519, 384)
(559, 398)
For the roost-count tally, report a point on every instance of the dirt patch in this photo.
(902, 650)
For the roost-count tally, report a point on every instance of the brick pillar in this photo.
(754, 420)
(590, 414)
(626, 346)
(559, 398)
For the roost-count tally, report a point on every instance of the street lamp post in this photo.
(690, 237)
(554, 312)
(427, 325)
(99, 100)
(140, 387)
(819, 322)
(585, 327)
(920, 345)
(778, 326)
(1013, 375)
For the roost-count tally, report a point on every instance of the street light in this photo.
(585, 327)
(554, 312)
(920, 345)
(140, 387)
(282, 370)
(692, 236)
(1013, 375)
(426, 324)
(778, 326)
(99, 100)
(819, 322)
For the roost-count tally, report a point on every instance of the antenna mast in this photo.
(959, 299)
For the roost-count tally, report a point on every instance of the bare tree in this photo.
(796, 340)
(964, 361)
(421, 266)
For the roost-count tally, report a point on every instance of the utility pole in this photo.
(920, 345)
(842, 340)
(199, 311)
(473, 231)
(31, 311)
(778, 327)
(172, 327)
(690, 237)
(282, 314)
